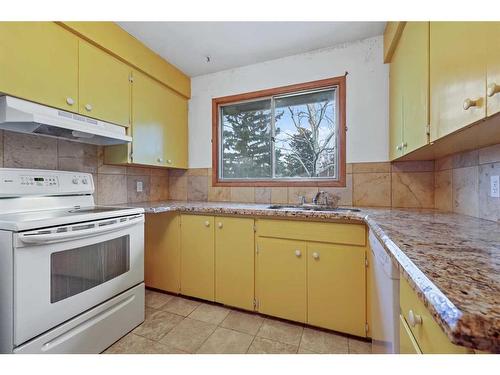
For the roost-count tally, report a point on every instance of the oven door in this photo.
(63, 271)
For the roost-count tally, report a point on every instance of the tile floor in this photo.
(179, 325)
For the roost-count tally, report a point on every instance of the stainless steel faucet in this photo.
(321, 194)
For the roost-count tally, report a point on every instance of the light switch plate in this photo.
(139, 186)
(495, 187)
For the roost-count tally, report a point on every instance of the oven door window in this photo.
(76, 270)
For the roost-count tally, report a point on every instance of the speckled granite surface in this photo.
(452, 261)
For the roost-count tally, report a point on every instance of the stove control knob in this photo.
(84, 181)
(75, 181)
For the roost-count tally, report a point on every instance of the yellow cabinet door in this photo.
(414, 52)
(234, 262)
(197, 256)
(159, 124)
(407, 343)
(162, 252)
(39, 62)
(281, 278)
(104, 85)
(336, 287)
(457, 75)
(396, 106)
(493, 68)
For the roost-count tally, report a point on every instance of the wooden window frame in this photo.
(338, 82)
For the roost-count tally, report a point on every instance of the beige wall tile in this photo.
(29, 151)
(111, 189)
(88, 165)
(348, 168)
(177, 188)
(465, 191)
(466, 159)
(371, 189)
(489, 208)
(344, 193)
(197, 172)
(68, 149)
(444, 163)
(159, 188)
(138, 171)
(197, 188)
(159, 172)
(371, 167)
(178, 172)
(219, 194)
(262, 195)
(1, 148)
(489, 154)
(243, 194)
(105, 168)
(443, 197)
(134, 196)
(413, 166)
(413, 190)
(295, 192)
(279, 195)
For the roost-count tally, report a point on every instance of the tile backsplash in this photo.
(457, 183)
(114, 184)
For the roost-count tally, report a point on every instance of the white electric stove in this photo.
(71, 272)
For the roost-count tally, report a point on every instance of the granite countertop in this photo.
(452, 261)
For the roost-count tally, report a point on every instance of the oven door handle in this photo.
(38, 239)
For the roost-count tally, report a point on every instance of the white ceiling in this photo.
(234, 44)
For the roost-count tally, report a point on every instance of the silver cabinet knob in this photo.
(159, 160)
(169, 161)
(207, 223)
(469, 103)
(405, 145)
(220, 225)
(493, 89)
(316, 255)
(399, 147)
(298, 253)
(88, 107)
(414, 319)
(70, 101)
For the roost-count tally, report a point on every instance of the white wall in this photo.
(367, 95)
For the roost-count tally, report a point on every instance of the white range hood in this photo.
(27, 117)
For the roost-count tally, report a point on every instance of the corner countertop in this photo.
(452, 261)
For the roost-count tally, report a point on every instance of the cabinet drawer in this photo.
(428, 334)
(407, 343)
(347, 234)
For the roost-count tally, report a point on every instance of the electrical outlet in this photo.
(139, 186)
(495, 187)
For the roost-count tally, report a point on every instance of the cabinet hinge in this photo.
(255, 304)
(428, 129)
(131, 157)
(256, 249)
(366, 327)
(366, 260)
(254, 228)
(131, 78)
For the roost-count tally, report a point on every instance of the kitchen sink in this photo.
(312, 208)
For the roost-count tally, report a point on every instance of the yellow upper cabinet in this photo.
(392, 33)
(104, 85)
(234, 261)
(457, 75)
(396, 83)
(281, 278)
(493, 68)
(39, 62)
(336, 287)
(159, 124)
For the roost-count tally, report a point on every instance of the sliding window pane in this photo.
(246, 140)
(306, 135)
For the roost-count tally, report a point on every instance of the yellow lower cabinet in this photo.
(281, 278)
(336, 287)
(407, 343)
(234, 262)
(197, 256)
(162, 254)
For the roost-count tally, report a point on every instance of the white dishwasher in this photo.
(385, 300)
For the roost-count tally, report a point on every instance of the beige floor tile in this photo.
(156, 300)
(305, 351)
(323, 342)
(243, 322)
(157, 324)
(226, 341)
(359, 346)
(209, 313)
(188, 335)
(261, 345)
(133, 344)
(277, 330)
(180, 306)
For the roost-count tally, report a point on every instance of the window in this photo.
(279, 137)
